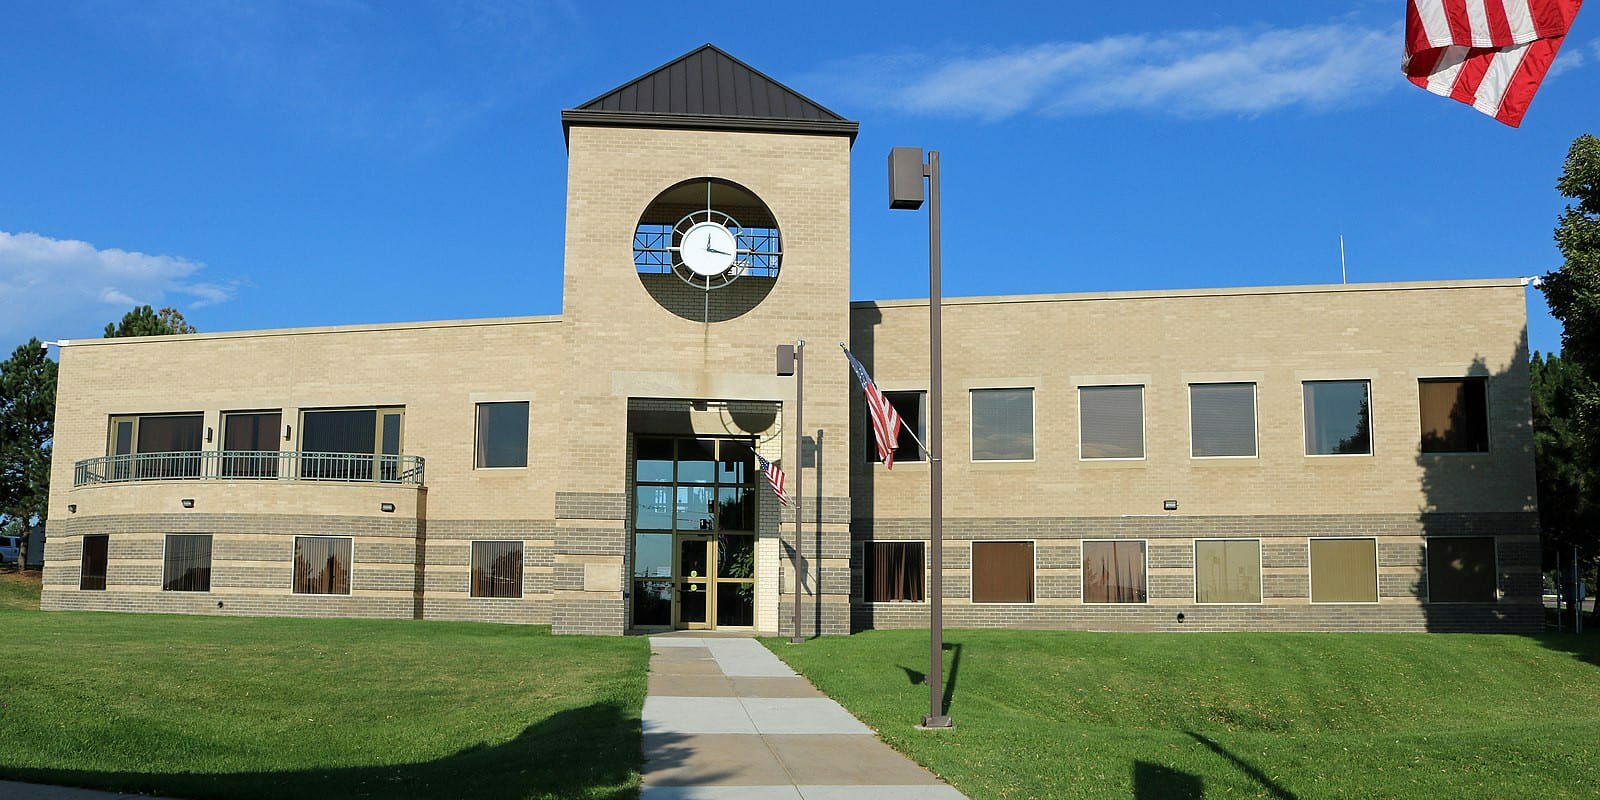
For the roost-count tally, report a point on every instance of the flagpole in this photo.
(799, 475)
(906, 426)
(936, 715)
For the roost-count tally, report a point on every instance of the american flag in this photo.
(775, 478)
(885, 420)
(1489, 54)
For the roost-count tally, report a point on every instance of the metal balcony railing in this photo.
(230, 465)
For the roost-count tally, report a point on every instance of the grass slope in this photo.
(1079, 715)
(213, 707)
(19, 590)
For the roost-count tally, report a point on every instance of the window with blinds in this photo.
(894, 572)
(497, 569)
(322, 564)
(1344, 570)
(1461, 569)
(1002, 572)
(1114, 572)
(1227, 571)
(1455, 415)
(1111, 421)
(186, 566)
(1002, 424)
(1222, 420)
(92, 565)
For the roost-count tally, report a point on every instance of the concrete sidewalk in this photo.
(725, 719)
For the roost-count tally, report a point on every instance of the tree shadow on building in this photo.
(1468, 496)
(590, 752)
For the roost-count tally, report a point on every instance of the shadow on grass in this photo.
(1583, 646)
(1155, 782)
(920, 678)
(590, 752)
(1272, 787)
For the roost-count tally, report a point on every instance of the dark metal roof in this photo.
(708, 89)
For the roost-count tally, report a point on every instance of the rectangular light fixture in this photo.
(188, 502)
(387, 508)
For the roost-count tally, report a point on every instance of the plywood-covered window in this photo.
(322, 564)
(895, 572)
(1344, 570)
(1002, 424)
(1338, 418)
(1227, 571)
(92, 565)
(497, 569)
(1455, 415)
(1002, 572)
(1461, 569)
(1111, 421)
(502, 435)
(1114, 572)
(186, 566)
(1222, 420)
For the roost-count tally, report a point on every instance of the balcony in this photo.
(250, 465)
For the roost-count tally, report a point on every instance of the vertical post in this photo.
(1577, 593)
(799, 473)
(936, 717)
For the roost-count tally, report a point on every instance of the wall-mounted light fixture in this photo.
(188, 502)
(288, 430)
(209, 432)
(387, 508)
(1169, 505)
(72, 508)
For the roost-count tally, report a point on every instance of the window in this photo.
(348, 442)
(1002, 572)
(1455, 415)
(92, 569)
(502, 435)
(168, 443)
(322, 564)
(1222, 420)
(1111, 421)
(1461, 569)
(1344, 570)
(1227, 571)
(497, 569)
(186, 567)
(1113, 572)
(894, 572)
(1002, 424)
(912, 408)
(246, 437)
(1338, 418)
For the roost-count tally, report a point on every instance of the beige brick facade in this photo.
(627, 357)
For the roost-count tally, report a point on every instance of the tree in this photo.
(27, 418)
(144, 321)
(1568, 510)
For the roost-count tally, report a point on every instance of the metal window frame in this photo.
(1144, 559)
(1255, 419)
(1372, 420)
(105, 578)
(522, 590)
(1033, 581)
(1261, 567)
(166, 539)
(1427, 569)
(294, 553)
(1144, 434)
(1488, 417)
(477, 431)
(927, 573)
(1377, 572)
(1033, 411)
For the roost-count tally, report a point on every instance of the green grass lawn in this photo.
(1070, 715)
(214, 707)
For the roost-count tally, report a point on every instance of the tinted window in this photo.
(911, 407)
(1222, 419)
(1338, 418)
(502, 435)
(1344, 570)
(1002, 572)
(1455, 415)
(894, 572)
(1111, 421)
(321, 565)
(92, 570)
(497, 569)
(1002, 424)
(1227, 571)
(353, 431)
(1462, 570)
(187, 565)
(1113, 572)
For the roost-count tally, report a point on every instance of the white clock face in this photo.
(708, 249)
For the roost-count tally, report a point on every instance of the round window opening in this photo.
(708, 250)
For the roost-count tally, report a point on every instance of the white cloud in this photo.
(1570, 59)
(1189, 73)
(56, 288)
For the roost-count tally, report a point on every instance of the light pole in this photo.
(906, 173)
(792, 361)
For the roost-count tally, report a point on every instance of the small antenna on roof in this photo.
(1343, 276)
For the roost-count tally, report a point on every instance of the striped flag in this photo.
(1489, 54)
(885, 420)
(775, 478)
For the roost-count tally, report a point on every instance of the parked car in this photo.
(10, 549)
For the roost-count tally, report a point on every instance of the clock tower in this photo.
(708, 222)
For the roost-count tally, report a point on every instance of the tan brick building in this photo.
(1316, 457)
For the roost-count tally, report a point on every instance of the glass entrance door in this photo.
(694, 532)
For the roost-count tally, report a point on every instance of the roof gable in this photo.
(707, 88)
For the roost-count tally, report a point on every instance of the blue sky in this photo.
(308, 163)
